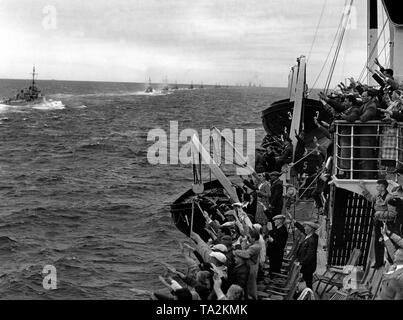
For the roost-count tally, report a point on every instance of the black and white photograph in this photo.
(213, 157)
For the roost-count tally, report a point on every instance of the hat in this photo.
(220, 247)
(219, 256)
(313, 225)
(279, 216)
(275, 174)
(237, 204)
(257, 226)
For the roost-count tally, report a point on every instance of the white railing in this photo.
(367, 150)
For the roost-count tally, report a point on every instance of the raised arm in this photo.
(365, 192)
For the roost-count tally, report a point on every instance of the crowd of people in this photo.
(248, 240)
(243, 253)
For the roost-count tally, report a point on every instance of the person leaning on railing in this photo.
(395, 106)
(347, 109)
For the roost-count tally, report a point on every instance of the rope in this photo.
(307, 188)
(306, 155)
(316, 31)
(384, 35)
(330, 50)
(333, 66)
(372, 52)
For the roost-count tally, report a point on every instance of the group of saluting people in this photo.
(248, 236)
(244, 248)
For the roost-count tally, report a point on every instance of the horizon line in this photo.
(105, 81)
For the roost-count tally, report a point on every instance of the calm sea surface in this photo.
(78, 192)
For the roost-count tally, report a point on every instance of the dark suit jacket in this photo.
(239, 275)
(286, 155)
(276, 198)
(306, 254)
(368, 111)
(276, 248)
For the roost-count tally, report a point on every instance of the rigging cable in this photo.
(372, 52)
(386, 62)
(316, 31)
(330, 50)
(333, 66)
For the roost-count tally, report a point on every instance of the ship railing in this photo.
(367, 151)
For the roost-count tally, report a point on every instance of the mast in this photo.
(33, 76)
(298, 97)
(205, 156)
(372, 36)
(396, 37)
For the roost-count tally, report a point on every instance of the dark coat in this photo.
(275, 249)
(269, 161)
(397, 115)
(353, 114)
(306, 254)
(286, 156)
(239, 275)
(276, 198)
(201, 289)
(398, 203)
(368, 111)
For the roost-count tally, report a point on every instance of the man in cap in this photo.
(306, 252)
(219, 259)
(276, 241)
(252, 253)
(239, 273)
(276, 197)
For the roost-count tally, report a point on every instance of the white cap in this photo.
(220, 247)
(257, 226)
(175, 285)
(219, 256)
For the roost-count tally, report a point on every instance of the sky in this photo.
(220, 41)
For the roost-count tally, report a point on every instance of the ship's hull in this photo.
(279, 116)
(22, 103)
